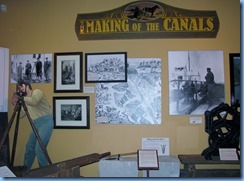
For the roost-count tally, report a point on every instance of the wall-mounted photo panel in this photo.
(235, 78)
(4, 79)
(196, 81)
(137, 101)
(36, 68)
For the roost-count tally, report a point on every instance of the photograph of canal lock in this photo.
(190, 88)
(137, 101)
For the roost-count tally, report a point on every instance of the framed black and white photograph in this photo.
(196, 81)
(68, 72)
(71, 112)
(235, 81)
(106, 67)
(35, 68)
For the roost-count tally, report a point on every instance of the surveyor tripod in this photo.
(17, 109)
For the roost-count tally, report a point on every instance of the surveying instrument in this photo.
(20, 105)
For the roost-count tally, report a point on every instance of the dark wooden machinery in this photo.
(192, 167)
(223, 126)
(69, 168)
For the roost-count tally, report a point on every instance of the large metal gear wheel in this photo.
(223, 127)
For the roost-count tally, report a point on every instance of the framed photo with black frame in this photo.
(106, 67)
(68, 72)
(235, 78)
(71, 112)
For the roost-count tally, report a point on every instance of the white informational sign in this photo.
(147, 159)
(6, 172)
(89, 90)
(228, 154)
(4, 66)
(195, 120)
(159, 144)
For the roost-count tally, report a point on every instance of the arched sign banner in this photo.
(147, 19)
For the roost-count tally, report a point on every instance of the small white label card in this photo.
(89, 89)
(228, 154)
(195, 120)
(159, 144)
(6, 172)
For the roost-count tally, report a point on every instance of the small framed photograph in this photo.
(235, 81)
(68, 72)
(71, 112)
(106, 67)
(147, 159)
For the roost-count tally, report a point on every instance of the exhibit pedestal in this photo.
(169, 166)
(124, 167)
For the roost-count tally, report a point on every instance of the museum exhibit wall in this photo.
(29, 27)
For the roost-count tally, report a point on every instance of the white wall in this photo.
(4, 74)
